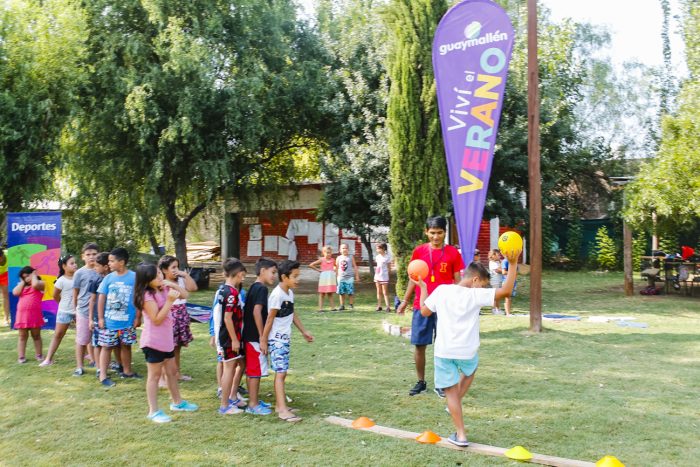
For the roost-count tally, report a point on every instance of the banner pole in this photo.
(533, 149)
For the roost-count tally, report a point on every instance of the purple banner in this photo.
(471, 53)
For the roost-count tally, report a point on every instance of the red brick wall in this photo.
(276, 224)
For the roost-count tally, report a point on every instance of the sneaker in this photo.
(91, 364)
(239, 396)
(242, 390)
(237, 402)
(258, 410)
(133, 375)
(439, 392)
(342, 308)
(158, 417)
(46, 363)
(40, 358)
(97, 373)
(420, 386)
(184, 406)
(78, 372)
(230, 410)
(21, 360)
(378, 309)
(116, 367)
(352, 307)
(453, 439)
(108, 383)
(218, 393)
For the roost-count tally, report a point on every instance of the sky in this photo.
(635, 26)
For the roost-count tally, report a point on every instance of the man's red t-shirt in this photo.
(443, 263)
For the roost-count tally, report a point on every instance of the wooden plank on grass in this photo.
(473, 447)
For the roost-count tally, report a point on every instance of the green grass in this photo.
(579, 390)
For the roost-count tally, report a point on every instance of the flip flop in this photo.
(290, 419)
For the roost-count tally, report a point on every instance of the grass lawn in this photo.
(579, 390)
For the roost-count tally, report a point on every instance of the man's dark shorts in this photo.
(422, 328)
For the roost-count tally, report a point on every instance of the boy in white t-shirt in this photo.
(457, 341)
(276, 336)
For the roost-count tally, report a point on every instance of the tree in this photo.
(669, 184)
(419, 182)
(357, 164)
(41, 45)
(188, 102)
(605, 250)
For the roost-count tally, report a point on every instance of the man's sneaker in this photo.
(108, 383)
(439, 392)
(258, 410)
(230, 410)
(133, 375)
(78, 372)
(184, 406)
(159, 417)
(418, 388)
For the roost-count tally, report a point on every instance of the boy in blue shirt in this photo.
(117, 316)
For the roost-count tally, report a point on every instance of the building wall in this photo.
(276, 224)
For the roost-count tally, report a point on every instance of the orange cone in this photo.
(428, 437)
(363, 422)
(609, 461)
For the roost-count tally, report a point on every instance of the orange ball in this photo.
(418, 268)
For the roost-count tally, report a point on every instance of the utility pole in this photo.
(533, 151)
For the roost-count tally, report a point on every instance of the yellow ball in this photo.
(510, 242)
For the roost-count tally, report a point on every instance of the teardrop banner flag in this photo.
(34, 239)
(471, 53)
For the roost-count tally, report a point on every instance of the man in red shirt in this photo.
(445, 264)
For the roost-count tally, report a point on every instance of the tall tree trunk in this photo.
(178, 230)
(366, 240)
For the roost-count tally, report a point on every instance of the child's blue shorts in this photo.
(447, 370)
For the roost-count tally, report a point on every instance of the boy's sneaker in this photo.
(342, 308)
(237, 402)
(439, 392)
(264, 404)
(258, 410)
(420, 386)
(184, 406)
(115, 366)
(159, 417)
(108, 383)
(453, 439)
(230, 410)
(78, 372)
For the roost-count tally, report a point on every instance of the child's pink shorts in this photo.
(82, 329)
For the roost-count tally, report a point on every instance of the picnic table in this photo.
(677, 275)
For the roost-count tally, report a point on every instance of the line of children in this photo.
(63, 295)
